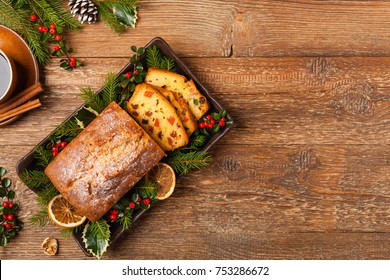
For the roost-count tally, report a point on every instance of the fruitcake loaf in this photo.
(182, 110)
(103, 162)
(156, 115)
(177, 83)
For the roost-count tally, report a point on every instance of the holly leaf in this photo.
(126, 15)
(96, 236)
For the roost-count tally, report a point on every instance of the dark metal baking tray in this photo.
(28, 163)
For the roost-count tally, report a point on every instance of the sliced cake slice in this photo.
(182, 110)
(156, 115)
(177, 83)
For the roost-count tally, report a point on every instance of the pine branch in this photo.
(108, 93)
(154, 58)
(182, 162)
(168, 63)
(198, 141)
(66, 18)
(40, 218)
(18, 21)
(35, 179)
(146, 188)
(92, 99)
(46, 194)
(126, 220)
(109, 18)
(68, 130)
(43, 156)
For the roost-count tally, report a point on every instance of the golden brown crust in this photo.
(103, 162)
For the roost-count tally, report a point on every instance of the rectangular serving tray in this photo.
(28, 163)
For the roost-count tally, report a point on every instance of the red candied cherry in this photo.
(5, 204)
(128, 75)
(33, 17)
(62, 144)
(10, 217)
(53, 26)
(146, 201)
(11, 204)
(52, 31)
(7, 226)
(57, 47)
(58, 37)
(112, 217)
(132, 205)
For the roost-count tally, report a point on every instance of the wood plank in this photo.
(305, 100)
(311, 27)
(193, 28)
(311, 196)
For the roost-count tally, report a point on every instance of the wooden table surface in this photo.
(305, 172)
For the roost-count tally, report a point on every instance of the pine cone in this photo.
(84, 10)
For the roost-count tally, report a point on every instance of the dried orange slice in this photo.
(165, 177)
(63, 214)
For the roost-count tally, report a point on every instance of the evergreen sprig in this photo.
(184, 162)
(118, 14)
(43, 156)
(154, 58)
(146, 188)
(35, 178)
(67, 131)
(46, 194)
(40, 218)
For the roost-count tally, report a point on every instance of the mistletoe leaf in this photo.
(126, 15)
(96, 236)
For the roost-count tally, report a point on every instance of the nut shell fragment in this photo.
(50, 246)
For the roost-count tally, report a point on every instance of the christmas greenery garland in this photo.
(42, 23)
(118, 88)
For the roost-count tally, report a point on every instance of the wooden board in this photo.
(304, 174)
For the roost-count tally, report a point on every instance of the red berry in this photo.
(132, 205)
(7, 226)
(55, 154)
(40, 28)
(114, 212)
(53, 26)
(112, 217)
(221, 123)
(212, 122)
(136, 72)
(52, 31)
(58, 37)
(45, 29)
(33, 17)
(222, 120)
(5, 204)
(72, 59)
(72, 63)
(10, 217)
(209, 117)
(202, 125)
(5, 217)
(62, 144)
(11, 204)
(57, 47)
(210, 125)
(54, 149)
(124, 86)
(128, 75)
(139, 199)
(146, 201)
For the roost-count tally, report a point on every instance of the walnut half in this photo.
(50, 246)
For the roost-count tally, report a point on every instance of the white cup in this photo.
(8, 76)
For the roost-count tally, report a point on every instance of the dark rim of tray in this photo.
(117, 231)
